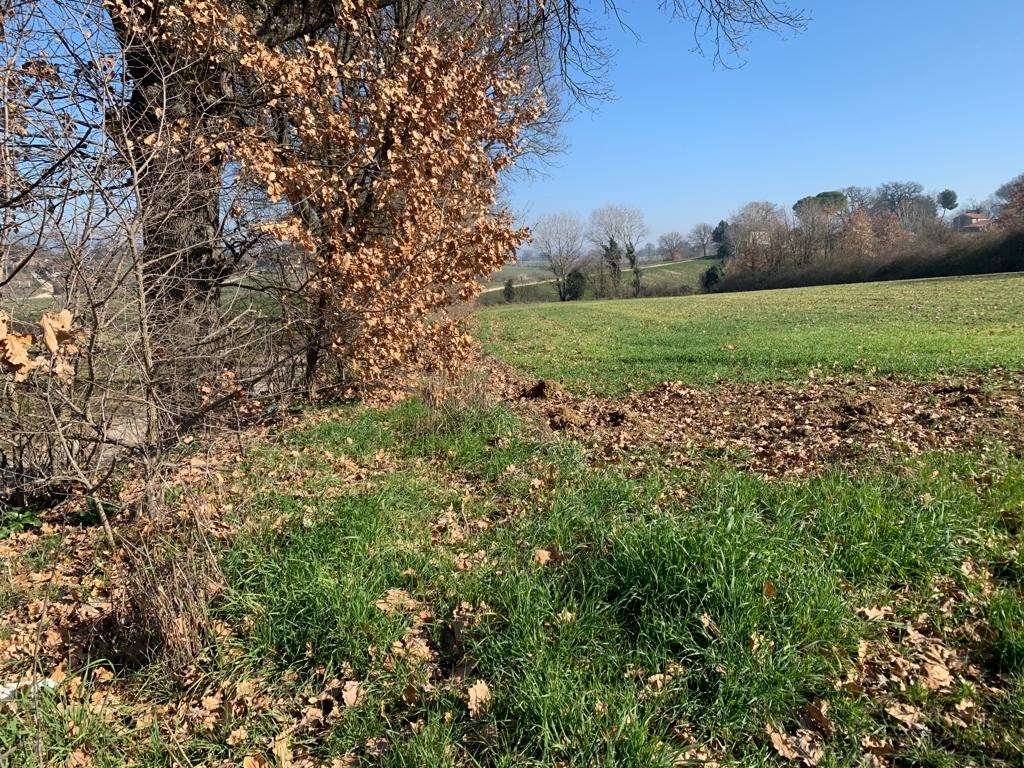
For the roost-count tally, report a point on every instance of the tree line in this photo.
(604, 252)
(863, 233)
(832, 236)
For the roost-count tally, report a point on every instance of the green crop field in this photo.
(917, 327)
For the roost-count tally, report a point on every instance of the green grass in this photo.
(915, 327)
(520, 273)
(678, 608)
(641, 587)
(644, 581)
(659, 277)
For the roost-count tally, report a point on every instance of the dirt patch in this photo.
(779, 429)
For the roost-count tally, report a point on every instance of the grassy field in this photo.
(485, 597)
(520, 273)
(672, 276)
(452, 585)
(916, 327)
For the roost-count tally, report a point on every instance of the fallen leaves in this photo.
(396, 601)
(352, 693)
(778, 429)
(237, 736)
(478, 696)
(876, 613)
(804, 746)
(817, 713)
(907, 714)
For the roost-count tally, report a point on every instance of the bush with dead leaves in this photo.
(241, 215)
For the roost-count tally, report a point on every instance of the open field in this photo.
(450, 587)
(915, 327)
(670, 276)
(520, 273)
(755, 574)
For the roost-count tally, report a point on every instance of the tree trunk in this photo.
(179, 194)
(180, 206)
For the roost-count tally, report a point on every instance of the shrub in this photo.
(575, 285)
(509, 291)
(710, 278)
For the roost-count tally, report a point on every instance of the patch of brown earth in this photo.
(781, 429)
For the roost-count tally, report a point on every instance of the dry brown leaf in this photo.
(283, 751)
(804, 746)
(237, 736)
(782, 744)
(696, 756)
(541, 556)
(709, 624)
(56, 329)
(936, 676)
(817, 713)
(352, 693)
(14, 355)
(396, 600)
(907, 714)
(876, 613)
(479, 695)
(876, 745)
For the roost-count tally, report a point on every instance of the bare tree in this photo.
(93, 368)
(759, 231)
(624, 226)
(820, 223)
(559, 240)
(752, 221)
(858, 199)
(700, 238)
(671, 246)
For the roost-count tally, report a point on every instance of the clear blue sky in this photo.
(872, 91)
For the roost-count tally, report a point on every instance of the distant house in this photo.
(972, 221)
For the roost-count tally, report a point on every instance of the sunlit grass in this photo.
(914, 327)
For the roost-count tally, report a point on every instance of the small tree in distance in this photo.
(947, 201)
(575, 285)
(701, 237)
(710, 278)
(509, 291)
(611, 254)
(620, 226)
(1011, 213)
(559, 240)
(670, 246)
(634, 265)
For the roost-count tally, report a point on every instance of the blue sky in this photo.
(873, 90)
